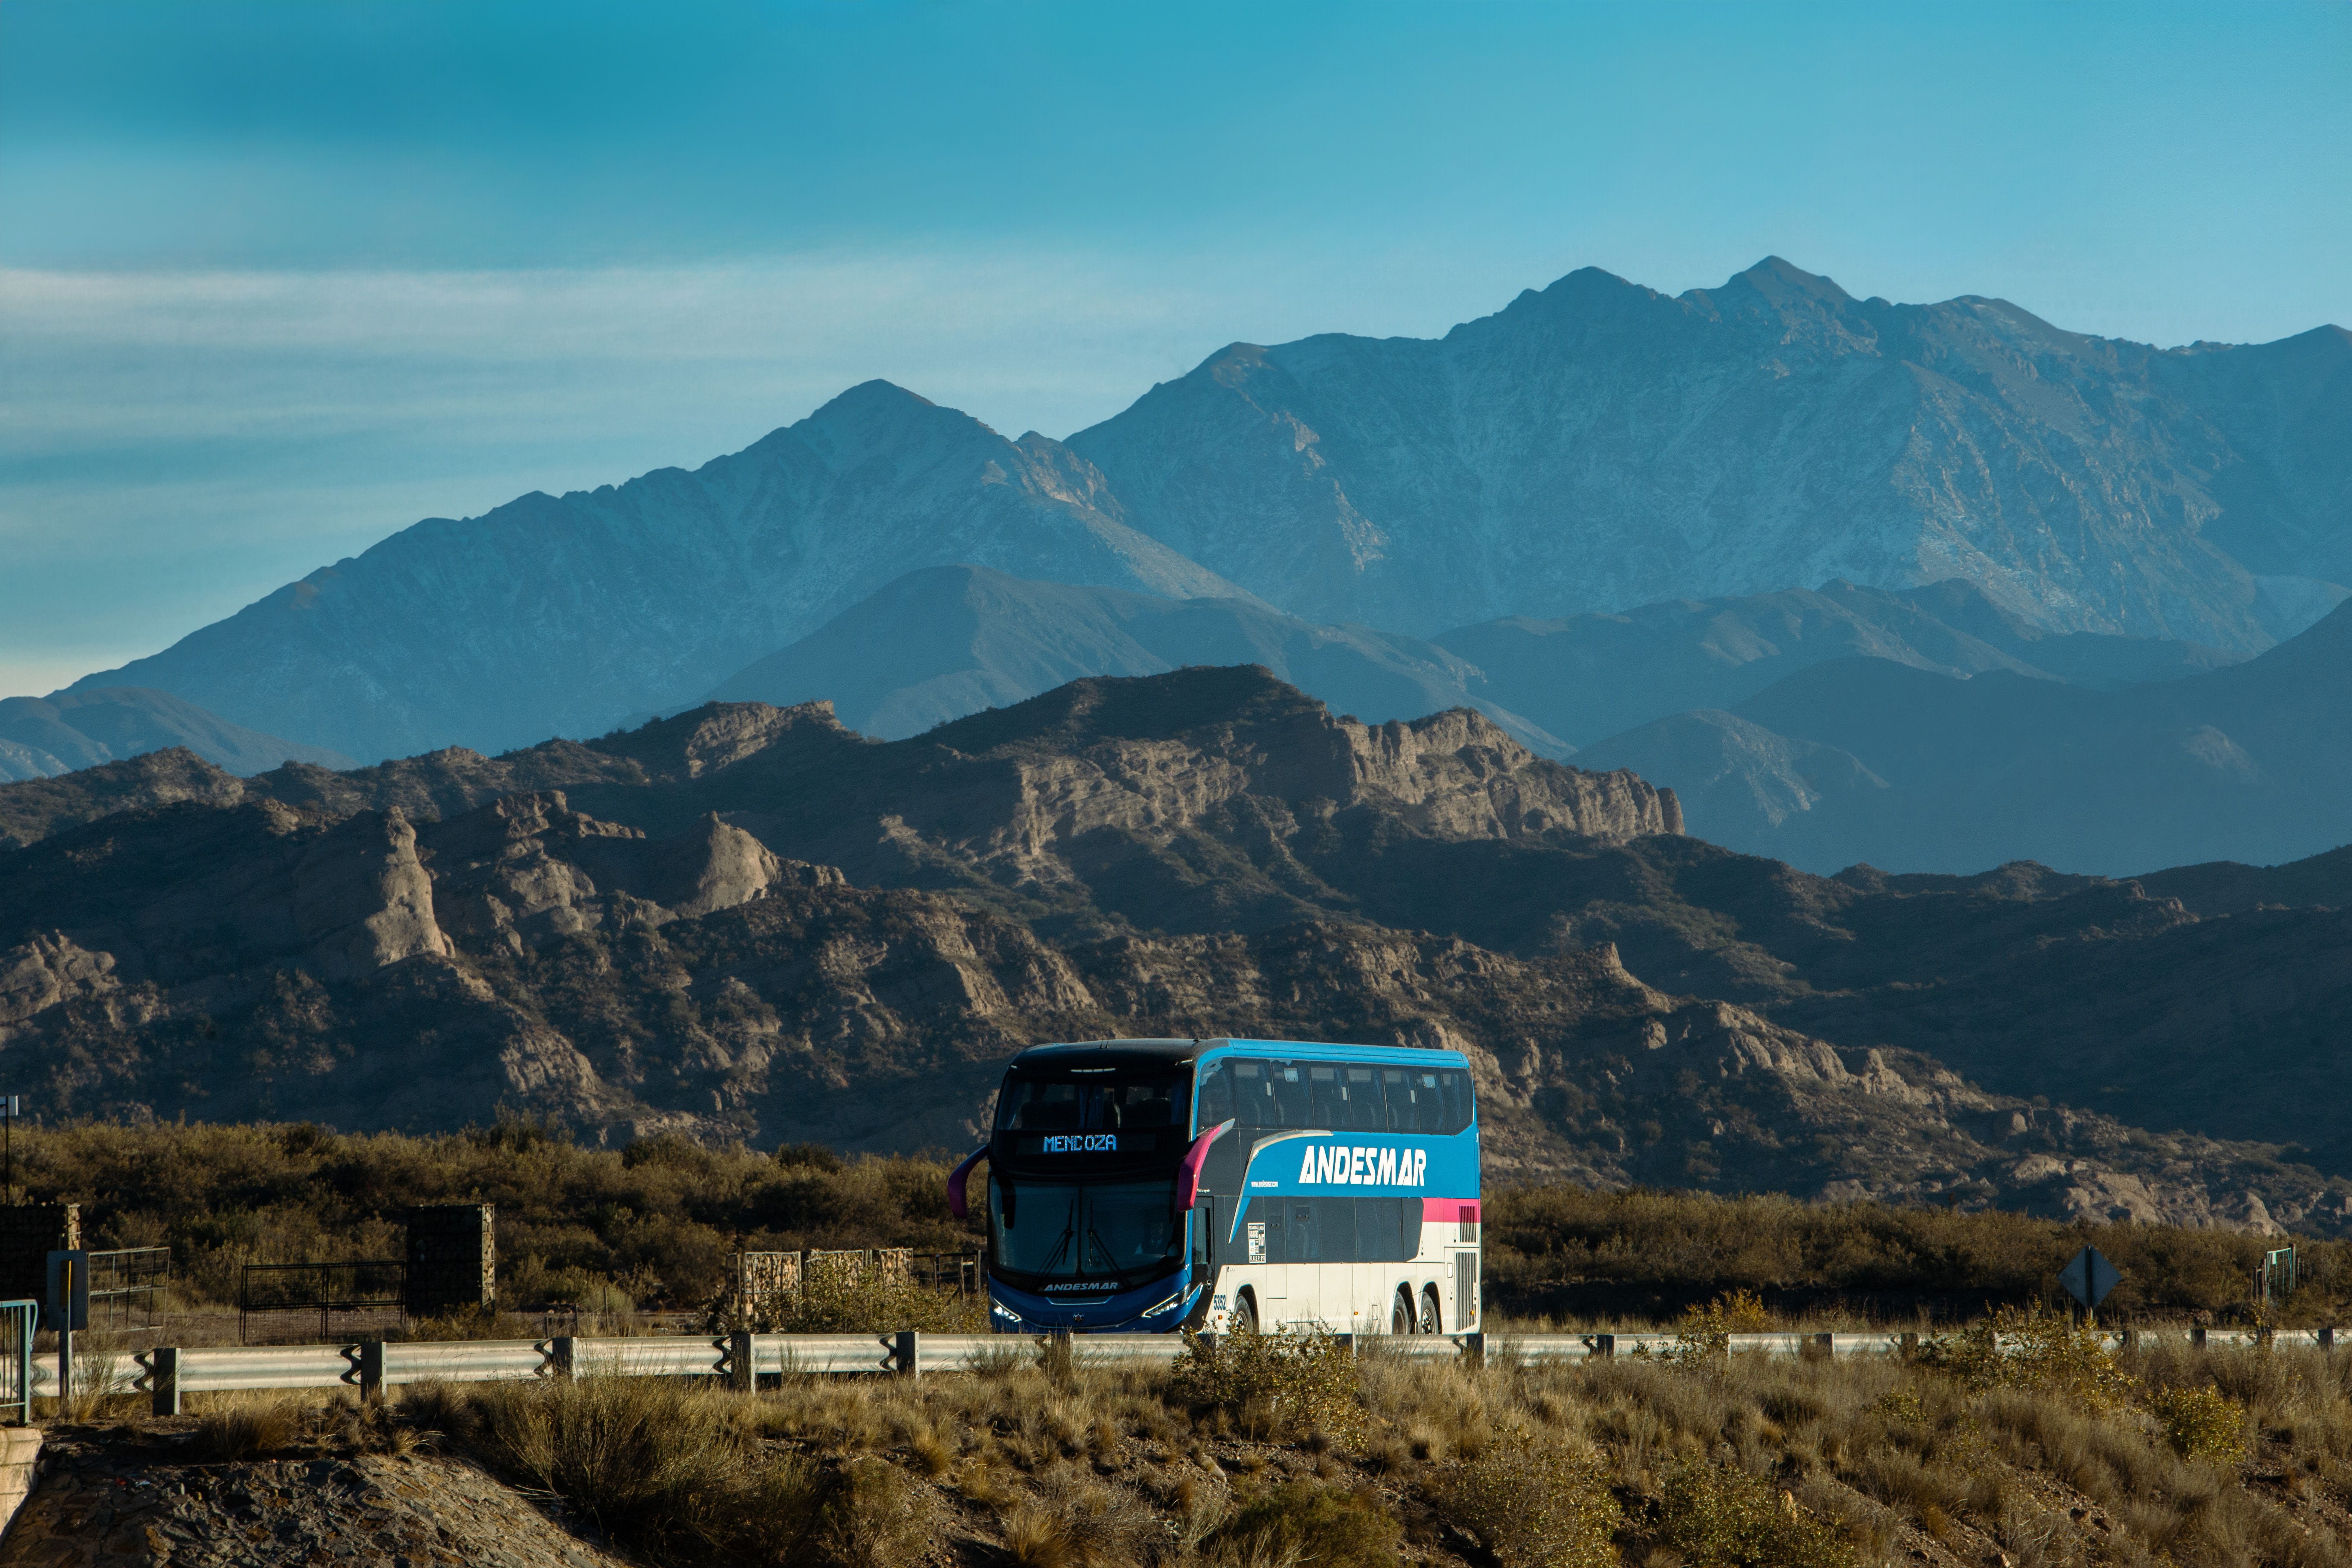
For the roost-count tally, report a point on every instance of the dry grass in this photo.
(1714, 1462)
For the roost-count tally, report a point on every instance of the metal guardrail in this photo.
(167, 1374)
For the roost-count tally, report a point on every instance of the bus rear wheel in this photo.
(1431, 1321)
(1401, 1318)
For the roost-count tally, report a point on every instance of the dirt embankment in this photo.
(120, 1499)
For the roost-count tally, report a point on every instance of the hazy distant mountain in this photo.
(945, 641)
(43, 736)
(566, 615)
(1599, 444)
(1594, 446)
(1587, 676)
(1867, 760)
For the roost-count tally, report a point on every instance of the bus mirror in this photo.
(1188, 1175)
(956, 1205)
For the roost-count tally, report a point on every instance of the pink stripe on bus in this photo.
(1449, 1211)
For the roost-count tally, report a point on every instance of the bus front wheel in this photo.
(1430, 1320)
(1246, 1312)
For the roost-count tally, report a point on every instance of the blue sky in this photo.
(279, 278)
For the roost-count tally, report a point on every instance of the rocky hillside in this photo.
(749, 922)
(1599, 444)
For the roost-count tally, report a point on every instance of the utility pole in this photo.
(8, 1140)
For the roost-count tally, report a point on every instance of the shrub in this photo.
(660, 1467)
(1080, 1522)
(2202, 1423)
(864, 1302)
(2040, 1352)
(1286, 1384)
(245, 1432)
(875, 1517)
(1704, 1333)
(1716, 1517)
(1534, 1503)
(1313, 1525)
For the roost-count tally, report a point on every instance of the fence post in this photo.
(1818, 1346)
(2327, 1339)
(740, 1375)
(559, 1351)
(906, 1353)
(2197, 1339)
(1910, 1342)
(1600, 1344)
(164, 1379)
(1473, 1350)
(372, 1369)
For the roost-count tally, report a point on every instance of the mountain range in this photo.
(1591, 447)
(750, 922)
(40, 738)
(1867, 760)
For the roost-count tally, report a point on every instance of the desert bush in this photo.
(662, 1467)
(1080, 1522)
(2202, 1423)
(1534, 1501)
(866, 1301)
(1290, 1384)
(874, 1517)
(1718, 1517)
(2040, 1351)
(1313, 1525)
(1704, 1334)
(246, 1431)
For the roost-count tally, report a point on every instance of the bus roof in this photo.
(1175, 1053)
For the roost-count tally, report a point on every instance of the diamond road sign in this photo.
(2089, 1277)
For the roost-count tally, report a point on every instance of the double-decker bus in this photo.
(1141, 1186)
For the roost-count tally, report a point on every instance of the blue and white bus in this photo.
(1140, 1186)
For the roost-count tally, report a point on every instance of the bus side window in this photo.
(1362, 1091)
(1456, 1088)
(1428, 1103)
(1253, 1096)
(1289, 1081)
(1216, 1097)
(1326, 1097)
(1399, 1098)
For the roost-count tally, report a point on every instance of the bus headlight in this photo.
(999, 1308)
(1169, 1305)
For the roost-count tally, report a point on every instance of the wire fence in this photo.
(346, 1299)
(128, 1288)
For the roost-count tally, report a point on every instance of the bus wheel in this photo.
(1430, 1321)
(1400, 1319)
(1246, 1312)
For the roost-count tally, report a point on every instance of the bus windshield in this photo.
(1119, 1233)
(1105, 1104)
